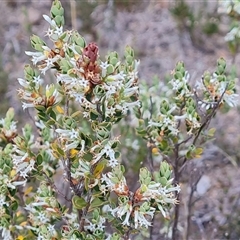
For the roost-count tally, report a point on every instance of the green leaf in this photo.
(93, 116)
(117, 155)
(129, 60)
(39, 159)
(110, 69)
(41, 109)
(88, 157)
(12, 191)
(178, 75)
(141, 131)
(59, 20)
(97, 202)
(77, 234)
(10, 114)
(211, 132)
(75, 114)
(163, 181)
(78, 202)
(198, 152)
(14, 205)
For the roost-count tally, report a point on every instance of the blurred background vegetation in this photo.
(161, 33)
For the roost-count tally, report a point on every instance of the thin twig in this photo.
(152, 228)
(150, 157)
(52, 184)
(73, 14)
(185, 140)
(176, 181)
(190, 204)
(127, 234)
(83, 213)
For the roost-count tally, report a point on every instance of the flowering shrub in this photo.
(232, 8)
(75, 142)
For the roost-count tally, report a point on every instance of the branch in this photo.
(205, 124)
(82, 214)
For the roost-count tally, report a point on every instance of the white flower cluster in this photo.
(23, 163)
(106, 151)
(227, 6)
(135, 208)
(216, 89)
(96, 226)
(140, 215)
(9, 128)
(162, 195)
(70, 138)
(41, 211)
(120, 84)
(166, 122)
(233, 34)
(180, 85)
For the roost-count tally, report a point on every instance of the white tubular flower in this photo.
(231, 99)
(140, 219)
(27, 105)
(128, 92)
(111, 89)
(50, 21)
(66, 79)
(58, 31)
(107, 179)
(110, 111)
(2, 200)
(42, 217)
(49, 32)
(36, 204)
(23, 82)
(126, 220)
(120, 76)
(173, 189)
(36, 56)
(109, 153)
(113, 162)
(38, 81)
(49, 62)
(104, 66)
(236, 7)
(72, 47)
(71, 145)
(232, 35)
(136, 65)
(16, 183)
(6, 234)
(176, 84)
(69, 134)
(162, 210)
(96, 226)
(151, 123)
(22, 156)
(51, 229)
(21, 166)
(121, 210)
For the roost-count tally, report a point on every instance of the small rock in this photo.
(203, 185)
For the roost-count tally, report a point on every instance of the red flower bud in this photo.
(91, 52)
